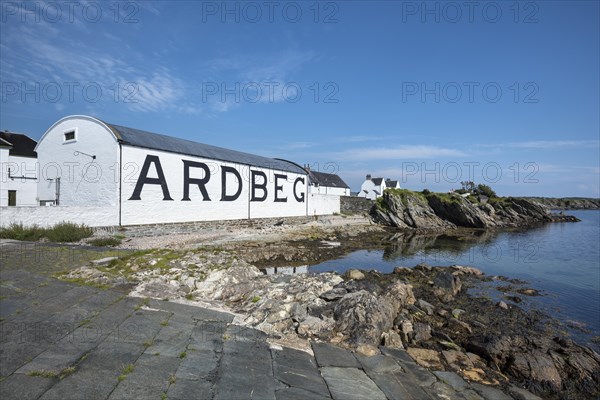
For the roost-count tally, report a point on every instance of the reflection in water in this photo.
(446, 246)
(285, 270)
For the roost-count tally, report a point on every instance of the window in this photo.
(69, 136)
(12, 198)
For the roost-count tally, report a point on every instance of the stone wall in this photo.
(355, 205)
(191, 227)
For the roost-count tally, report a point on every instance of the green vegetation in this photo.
(81, 281)
(19, 232)
(61, 233)
(183, 354)
(53, 374)
(172, 379)
(68, 232)
(164, 323)
(256, 299)
(43, 373)
(106, 241)
(127, 369)
(480, 189)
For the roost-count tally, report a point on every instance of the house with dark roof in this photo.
(326, 183)
(105, 174)
(19, 169)
(373, 188)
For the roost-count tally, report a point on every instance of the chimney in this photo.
(368, 177)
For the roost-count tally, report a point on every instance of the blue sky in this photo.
(502, 93)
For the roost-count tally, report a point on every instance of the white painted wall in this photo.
(49, 216)
(26, 188)
(4, 176)
(335, 191)
(323, 204)
(152, 208)
(84, 181)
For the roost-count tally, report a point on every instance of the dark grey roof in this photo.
(155, 141)
(21, 145)
(377, 181)
(391, 184)
(325, 179)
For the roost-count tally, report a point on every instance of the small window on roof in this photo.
(69, 136)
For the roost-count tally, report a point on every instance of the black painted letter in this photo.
(187, 181)
(224, 171)
(279, 188)
(300, 198)
(144, 180)
(262, 186)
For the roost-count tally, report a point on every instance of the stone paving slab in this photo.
(328, 355)
(246, 371)
(19, 387)
(298, 369)
(351, 383)
(149, 379)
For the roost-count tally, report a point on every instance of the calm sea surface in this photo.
(560, 259)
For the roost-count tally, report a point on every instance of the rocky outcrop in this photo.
(405, 209)
(434, 211)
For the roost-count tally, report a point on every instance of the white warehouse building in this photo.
(19, 172)
(103, 174)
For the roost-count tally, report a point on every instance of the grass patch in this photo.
(20, 232)
(126, 370)
(59, 233)
(256, 299)
(144, 302)
(183, 354)
(82, 282)
(104, 242)
(164, 323)
(43, 373)
(68, 232)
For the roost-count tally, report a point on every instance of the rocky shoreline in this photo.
(407, 209)
(426, 310)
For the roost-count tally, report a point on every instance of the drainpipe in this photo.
(120, 180)
(57, 191)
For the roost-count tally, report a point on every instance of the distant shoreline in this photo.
(566, 203)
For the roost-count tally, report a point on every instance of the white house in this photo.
(373, 188)
(19, 172)
(106, 175)
(325, 183)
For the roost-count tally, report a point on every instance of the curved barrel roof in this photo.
(155, 141)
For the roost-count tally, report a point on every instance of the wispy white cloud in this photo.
(45, 56)
(406, 152)
(545, 144)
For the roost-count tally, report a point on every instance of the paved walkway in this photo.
(63, 341)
